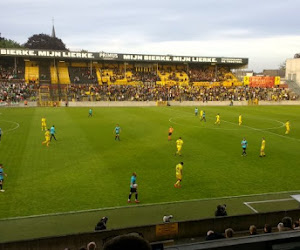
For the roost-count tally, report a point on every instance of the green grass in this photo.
(87, 169)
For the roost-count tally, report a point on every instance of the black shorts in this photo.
(132, 190)
(170, 133)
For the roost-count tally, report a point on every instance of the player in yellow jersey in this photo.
(47, 138)
(201, 114)
(179, 143)
(262, 148)
(287, 127)
(240, 120)
(44, 126)
(218, 119)
(179, 167)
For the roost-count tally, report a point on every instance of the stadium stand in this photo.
(31, 72)
(83, 80)
(187, 234)
(63, 73)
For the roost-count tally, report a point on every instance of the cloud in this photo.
(256, 29)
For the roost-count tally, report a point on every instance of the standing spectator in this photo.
(133, 188)
(2, 174)
(244, 144)
(52, 132)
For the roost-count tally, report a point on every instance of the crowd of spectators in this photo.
(82, 75)
(8, 73)
(12, 92)
(286, 224)
(150, 92)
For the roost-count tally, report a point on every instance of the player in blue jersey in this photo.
(244, 144)
(196, 111)
(203, 117)
(2, 174)
(52, 133)
(133, 188)
(90, 113)
(117, 132)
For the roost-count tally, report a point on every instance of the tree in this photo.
(7, 43)
(43, 41)
(282, 66)
(297, 55)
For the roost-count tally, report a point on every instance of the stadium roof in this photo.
(104, 56)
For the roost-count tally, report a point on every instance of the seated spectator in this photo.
(131, 242)
(267, 228)
(101, 225)
(252, 230)
(221, 210)
(287, 223)
(91, 246)
(211, 235)
(229, 233)
(296, 225)
(280, 227)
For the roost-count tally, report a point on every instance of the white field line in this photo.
(11, 129)
(265, 201)
(148, 205)
(254, 210)
(220, 128)
(256, 129)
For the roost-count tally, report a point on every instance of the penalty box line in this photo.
(265, 201)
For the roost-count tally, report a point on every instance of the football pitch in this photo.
(85, 174)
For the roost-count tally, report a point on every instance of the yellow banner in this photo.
(246, 80)
(277, 80)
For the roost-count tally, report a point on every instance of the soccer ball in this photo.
(135, 185)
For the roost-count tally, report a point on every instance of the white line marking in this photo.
(265, 130)
(11, 129)
(254, 210)
(266, 201)
(256, 129)
(149, 204)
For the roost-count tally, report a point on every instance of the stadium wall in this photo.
(153, 104)
(174, 103)
(186, 229)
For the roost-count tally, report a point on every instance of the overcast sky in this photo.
(266, 31)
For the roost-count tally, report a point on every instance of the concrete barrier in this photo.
(186, 229)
